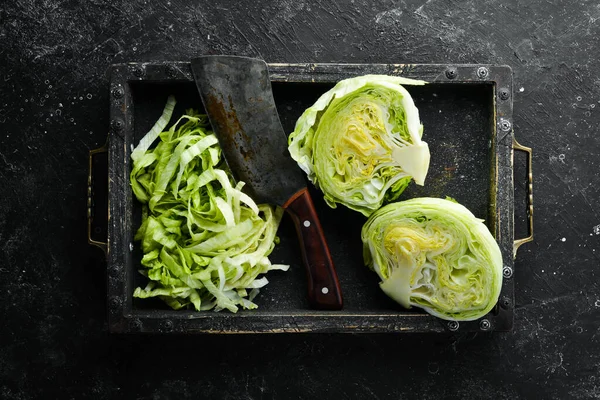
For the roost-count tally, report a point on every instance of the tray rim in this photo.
(122, 318)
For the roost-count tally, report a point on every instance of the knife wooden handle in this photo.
(324, 292)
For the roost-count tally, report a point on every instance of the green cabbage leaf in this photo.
(434, 254)
(360, 142)
(205, 243)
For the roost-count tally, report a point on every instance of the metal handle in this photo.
(519, 242)
(97, 207)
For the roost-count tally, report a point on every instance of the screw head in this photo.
(171, 72)
(505, 125)
(505, 301)
(507, 272)
(138, 71)
(118, 93)
(484, 325)
(114, 271)
(503, 93)
(117, 124)
(451, 73)
(135, 325)
(168, 325)
(482, 72)
(453, 325)
(114, 303)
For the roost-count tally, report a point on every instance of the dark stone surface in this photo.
(53, 109)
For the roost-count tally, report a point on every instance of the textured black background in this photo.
(53, 109)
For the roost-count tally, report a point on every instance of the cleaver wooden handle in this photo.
(324, 291)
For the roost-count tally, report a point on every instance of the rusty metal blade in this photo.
(237, 96)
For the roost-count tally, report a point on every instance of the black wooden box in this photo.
(466, 111)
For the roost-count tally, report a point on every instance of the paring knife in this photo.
(236, 92)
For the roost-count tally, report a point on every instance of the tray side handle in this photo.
(518, 242)
(97, 198)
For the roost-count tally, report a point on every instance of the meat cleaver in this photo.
(236, 92)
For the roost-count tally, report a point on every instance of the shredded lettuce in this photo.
(436, 255)
(205, 242)
(360, 143)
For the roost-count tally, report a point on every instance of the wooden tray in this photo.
(466, 111)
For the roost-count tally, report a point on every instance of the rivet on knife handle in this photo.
(324, 290)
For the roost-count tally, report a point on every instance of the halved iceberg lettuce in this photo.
(360, 143)
(436, 255)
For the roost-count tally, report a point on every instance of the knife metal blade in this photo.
(236, 92)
